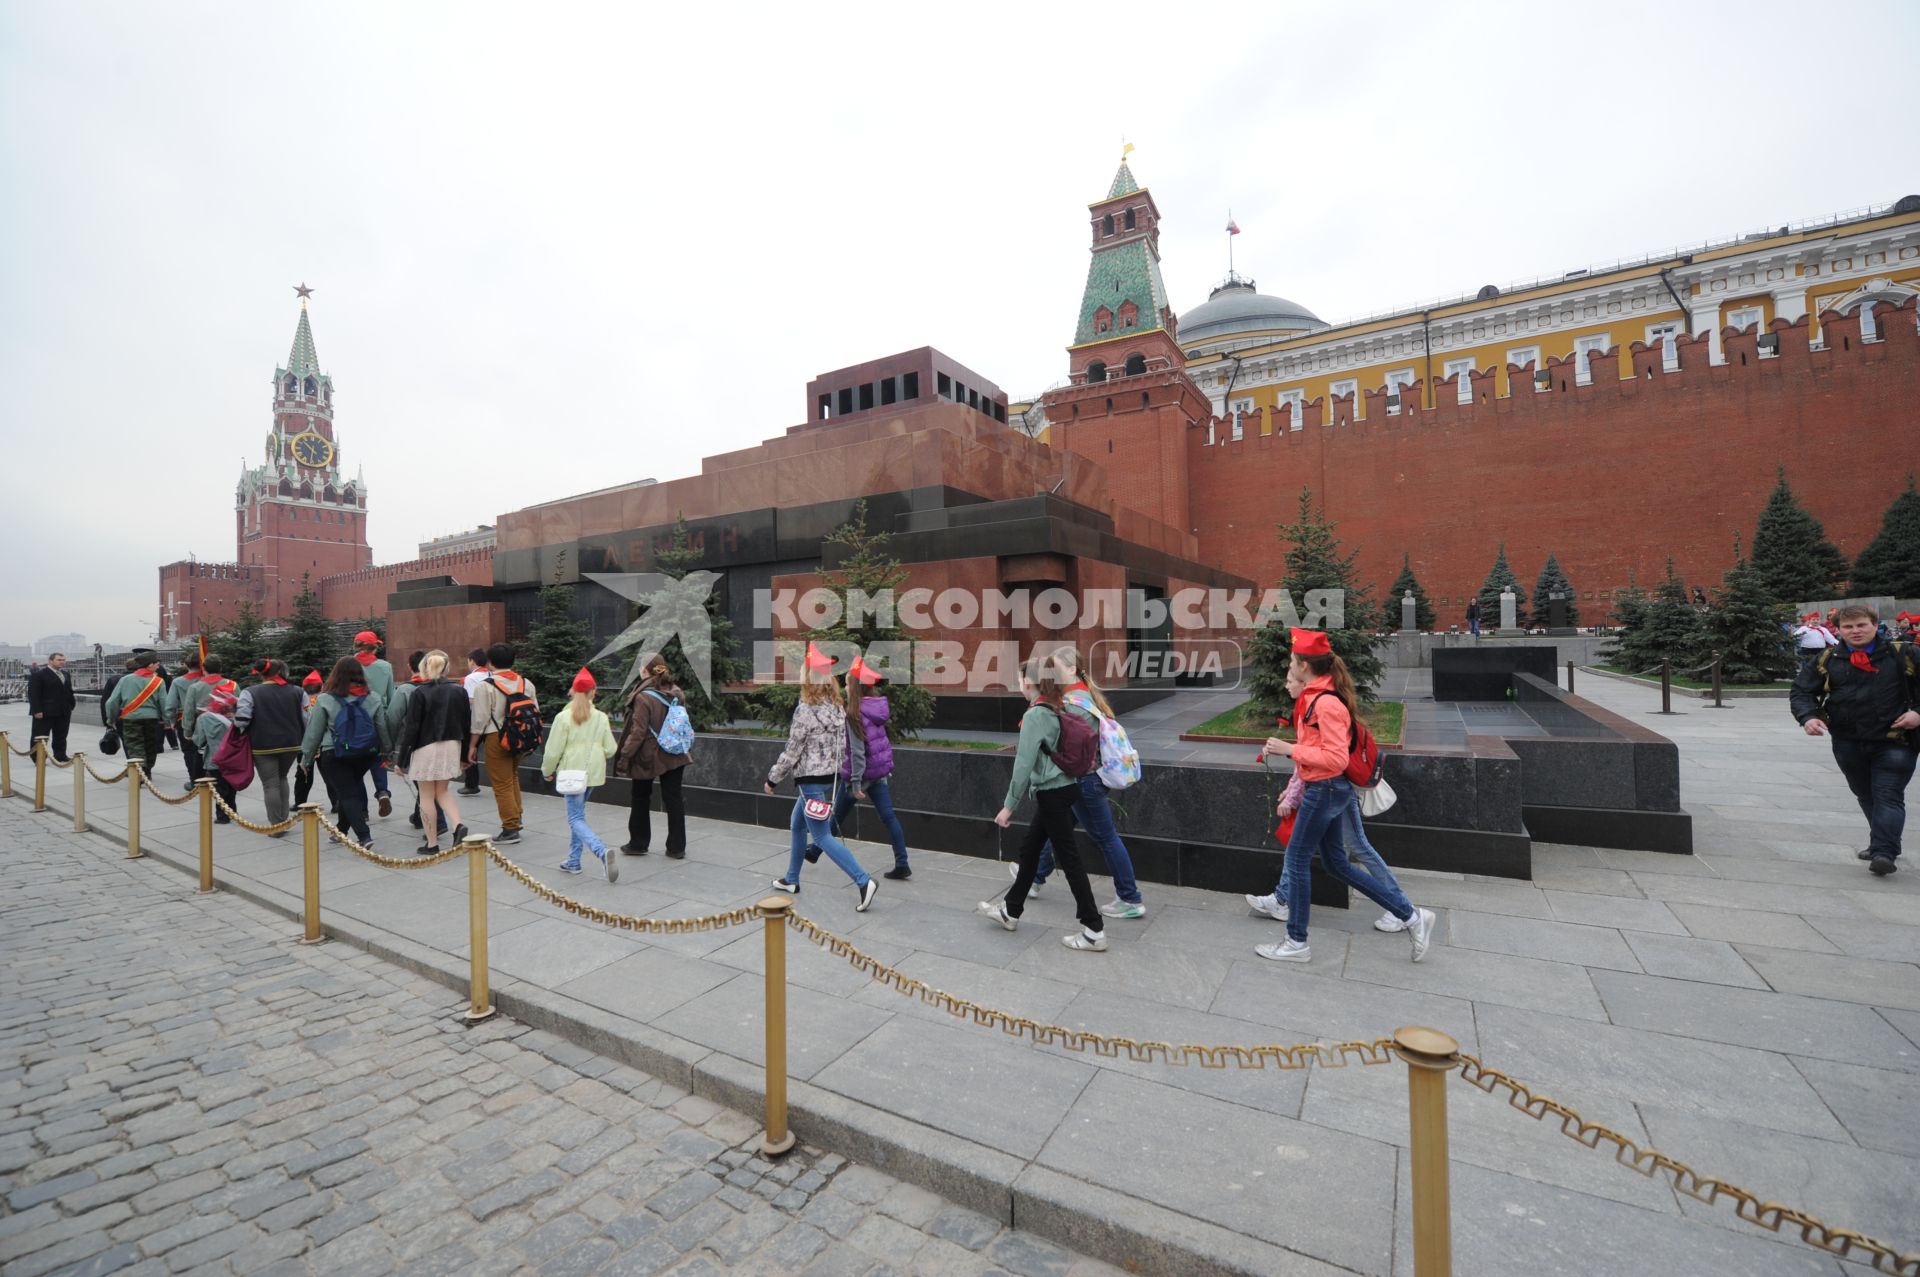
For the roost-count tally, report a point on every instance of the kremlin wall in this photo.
(1613, 418)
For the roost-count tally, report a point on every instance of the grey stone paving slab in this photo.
(1877, 1106)
(1538, 938)
(1156, 973)
(1559, 987)
(1603, 1070)
(1482, 1130)
(1769, 1021)
(1888, 941)
(1871, 981)
(646, 984)
(431, 914)
(1323, 1193)
(968, 1081)
(1626, 913)
(1838, 870)
(915, 926)
(1847, 1186)
(1688, 958)
(1333, 1009)
(1521, 1228)
(1878, 903)
(552, 950)
(808, 965)
(1589, 879)
(1753, 926)
(1034, 997)
(1709, 889)
(1518, 899)
(731, 1018)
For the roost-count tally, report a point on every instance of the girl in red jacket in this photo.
(1323, 724)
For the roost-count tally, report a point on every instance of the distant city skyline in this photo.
(530, 278)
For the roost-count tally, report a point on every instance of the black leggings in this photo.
(640, 818)
(347, 781)
(1053, 823)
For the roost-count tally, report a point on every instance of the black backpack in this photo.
(520, 724)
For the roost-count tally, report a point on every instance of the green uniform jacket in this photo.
(208, 732)
(379, 679)
(124, 693)
(397, 708)
(319, 738)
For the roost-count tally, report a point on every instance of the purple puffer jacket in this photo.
(874, 712)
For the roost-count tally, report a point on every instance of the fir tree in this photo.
(1500, 578)
(1671, 628)
(865, 566)
(1890, 565)
(1747, 627)
(1553, 580)
(556, 649)
(242, 641)
(1628, 615)
(308, 643)
(1796, 563)
(1403, 584)
(1315, 562)
(724, 667)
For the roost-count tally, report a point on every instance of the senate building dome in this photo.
(1236, 314)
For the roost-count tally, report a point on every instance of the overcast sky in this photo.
(558, 247)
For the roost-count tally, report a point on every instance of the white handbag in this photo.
(1377, 799)
(570, 781)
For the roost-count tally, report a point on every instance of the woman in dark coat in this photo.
(641, 760)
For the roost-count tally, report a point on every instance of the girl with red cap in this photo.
(1328, 818)
(868, 769)
(577, 751)
(816, 742)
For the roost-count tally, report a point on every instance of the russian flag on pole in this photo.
(1233, 227)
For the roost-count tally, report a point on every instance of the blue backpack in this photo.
(676, 730)
(353, 731)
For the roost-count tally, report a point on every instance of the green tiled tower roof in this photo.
(1121, 272)
(302, 361)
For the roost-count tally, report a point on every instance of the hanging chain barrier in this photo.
(248, 825)
(1771, 1216)
(57, 763)
(1332, 1054)
(624, 921)
(17, 753)
(154, 789)
(114, 779)
(348, 841)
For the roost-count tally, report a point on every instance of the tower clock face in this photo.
(310, 449)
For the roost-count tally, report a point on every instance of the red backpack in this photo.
(1078, 752)
(1363, 751)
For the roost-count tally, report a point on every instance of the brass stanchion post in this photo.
(1569, 676)
(777, 1138)
(1430, 1056)
(480, 1004)
(133, 810)
(6, 766)
(310, 836)
(40, 773)
(206, 833)
(79, 793)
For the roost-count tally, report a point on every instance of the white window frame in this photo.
(1294, 401)
(1524, 356)
(1582, 373)
(1743, 316)
(1395, 382)
(1345, 386)
(1238, 410)
(1459, 368)
(1669, 353)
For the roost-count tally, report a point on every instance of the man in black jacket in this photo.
(1862, 694)
(50, 701)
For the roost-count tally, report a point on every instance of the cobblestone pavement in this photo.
(182, 1089)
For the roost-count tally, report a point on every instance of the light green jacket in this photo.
(319, 737)
(379, 679)
(579, 747)
(1032, 768)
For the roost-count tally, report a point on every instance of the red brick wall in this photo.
(1612, 477)
(364, 592)
(205, 596)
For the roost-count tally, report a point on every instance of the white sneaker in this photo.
(1290, 951)
(1121, 909)
(1268, 907)
(998, 912)
(1388, 923)
(1421, 929)
(1085, 943)
(1033, 891)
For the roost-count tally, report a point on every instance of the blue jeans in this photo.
(1878, 772)
(379, 777)
(583, 839)
(818, 833)
(1326, 811)
(880, 794)
(1361, 855)
(1095, 815)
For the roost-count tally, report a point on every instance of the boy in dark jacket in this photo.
(1862, 694)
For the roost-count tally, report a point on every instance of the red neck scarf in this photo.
(366, 658)
(1862, 659)
(193, 677)
(277, 679)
